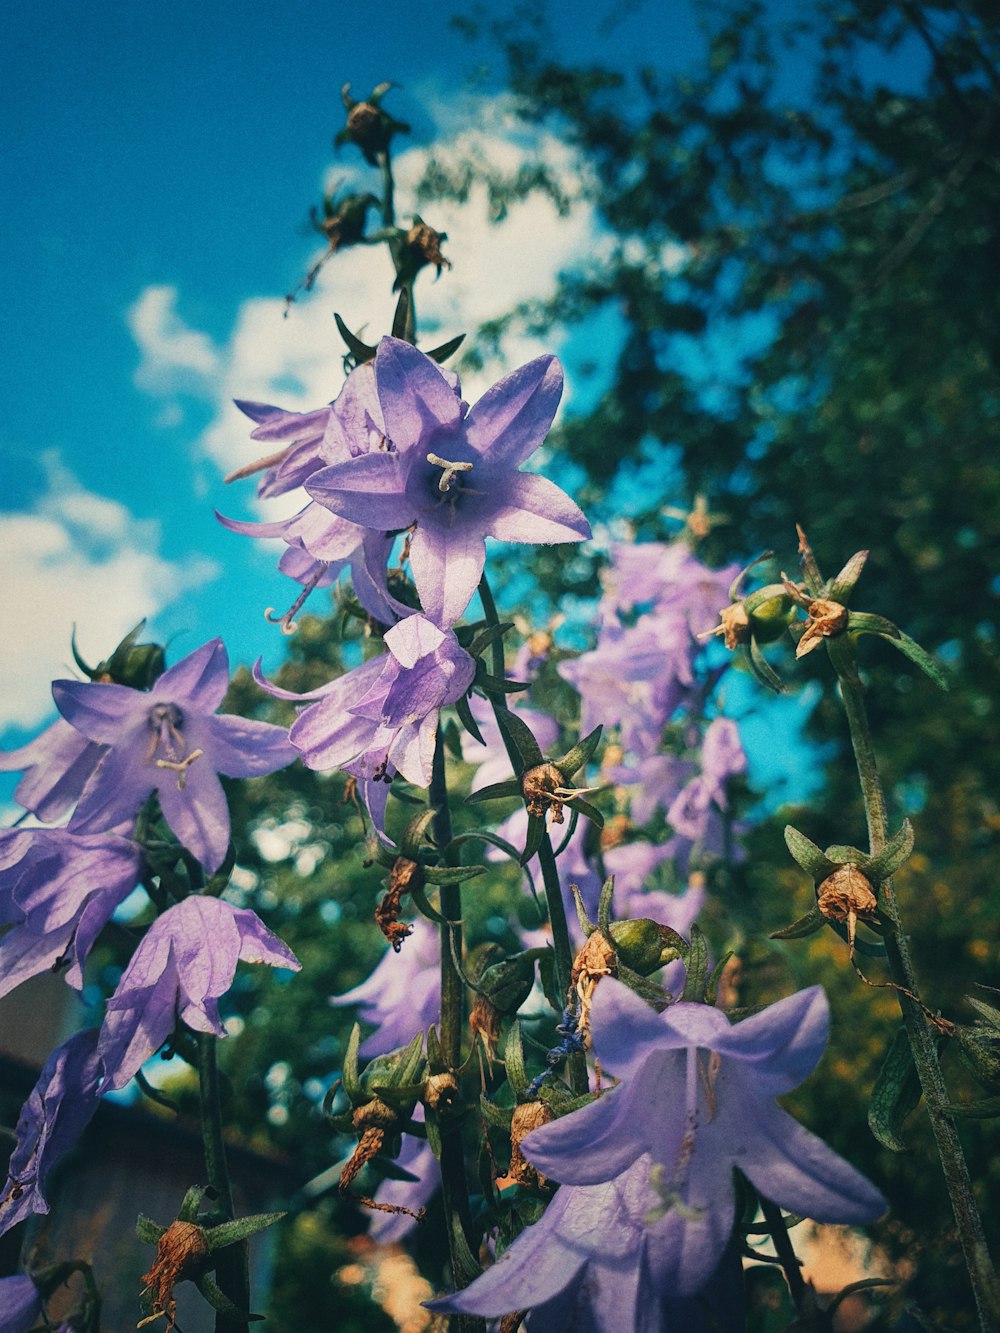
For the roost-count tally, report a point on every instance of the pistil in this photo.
(450, 471)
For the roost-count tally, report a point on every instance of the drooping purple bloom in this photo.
(665, 575)
(184, 964)
(403, 993)
(697, 1097)
(722, 757)
(592, 1264)
(169, 740)
(58, 889)
(20, 1304)
(454, 473)
(386, 711)
(56, 1113)
(57, 764)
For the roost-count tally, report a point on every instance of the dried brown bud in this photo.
(404, 876)
(181, 1253)
(844, 892)
(485, 1020)
(441, 1092)
(596, 959)
(540, 785)
(424, 244)
(374, 1114)
(526, 1117)
(825, 619)
(734, 625)
(365, 126)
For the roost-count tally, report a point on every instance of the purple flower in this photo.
(20, 1304)
(697, 1098)
(722, 757)
(592, 1264)
(665, 575)
(169, 741)
(52, 1119)
(59, 889)
(454, 473)
(57, 764)
(402, 995)
(384, 714)
(185, 962)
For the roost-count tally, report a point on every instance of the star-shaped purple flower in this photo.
(697, 1097)
(170, 741)
(403, 993)
(59, 889)
(185, 962)
(52, 1119)
(454, 473)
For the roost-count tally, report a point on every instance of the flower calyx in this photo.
(502, 984)
(137, 665)
(343, 220)
(382, 1098)
(760, 617)
(415, 249)
(369, 126)
(184, 1252)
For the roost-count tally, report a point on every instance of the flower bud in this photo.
(368, 125)
(642, 945)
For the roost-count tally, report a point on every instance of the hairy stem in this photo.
(232, 1269)
(921, 1036)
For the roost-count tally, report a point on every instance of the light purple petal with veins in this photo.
(536, 510)
(512, 418)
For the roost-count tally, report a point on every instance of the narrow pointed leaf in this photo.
(467, 720)
(452, 737)
(230, 1233)
(221, 1302)
(495, 791)
(574, 819)
(494, 1115)
(584, 808)
(895, 1095)
(605, 904)
(987, 1011)
(423, 905)
(486, 637)
(536, 832)
(491, 684)
(840, 588)
(452, 874)
(712, 989)
(358, 349)
(862, 946)
(513, 1055)
(586, 925)
(985, 1109)
(893, 854)
(413, 834)
(580, 755)
(401, 316)
(763, 670)
(805, 852)
(352, 1083)
(809, 924)
(442, 353)
(863, 622)
(188, 1211)
(921, 658)
(148, 1231)
(644, 987)
(521, 737)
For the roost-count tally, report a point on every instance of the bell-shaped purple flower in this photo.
(20, 1304)
(170, 741)
(52, 1119)
(185, 962)
(384, 714)
(59, 889)
(697, 1097)
(56, 764)
(591, 1265)
(403, 994)
(454, 474)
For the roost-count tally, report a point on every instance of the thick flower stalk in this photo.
(170, 741)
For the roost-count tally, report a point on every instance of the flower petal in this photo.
(243, 747)
(535, 509)
(414, 394)
(369, 490)
(447, 565)
(197, 682)
(197, 813)
(512, 418)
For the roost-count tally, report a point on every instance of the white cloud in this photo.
(174, 356)
(76, 558)
(296, 362)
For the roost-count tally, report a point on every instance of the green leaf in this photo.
(499, 1117)
(696, 965)
(533, 839)
(712, 989)
(863, 622)
(468, 721)
(808, 855)
(809, 924)
(987, 1011)
(513, 1054)
(231, 1233)
(352, 1083)
(219, 1301)
(839, 589)
(763, 670)
(584, 808)
(985, 1109)
(520, 736)
(495, 791)
(401, 315)
(920, 657)
(893, 854)
(452, 874)
(895, 1095)
(148, 1231)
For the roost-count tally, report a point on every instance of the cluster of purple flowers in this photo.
(113, 747)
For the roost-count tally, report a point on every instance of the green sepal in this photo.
(352, 1081)
(148, 1231)
(584, 808)
(452, 874)
(361, 351)
(864, 622)
(650, 991)
(402, 327)
(840, 587)
(494, 840)
(574, 819)
(605, 904)
(985, 1109)
(760, 597)
(231, 1233)
(806, 854)
(862, 946)
(893, 854)
(452, 737)
(442, 353)
(521, 737)
(218, 1300)
(987, 1011)
(188, 1211)
(809, 924)
(498, 1117)
(895, 1095)
(921, 658)
(495, 791)
(762, 669)
(468, 721)
(580, 755)
(488, 636)
(401, 1098)
(843, 854)
(435, 1055)
(810, 570)
(981, 1056)
(412, 1059)
(513, 1056)
(413, 834)
(491, 684)
(712, 989)
(696, 964)
(533, 838)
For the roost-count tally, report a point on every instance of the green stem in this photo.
(785, 1251)
(454, 1184)
(561, 944)
(921, 1037)
(232, 1268)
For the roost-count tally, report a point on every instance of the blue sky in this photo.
(161, 160)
